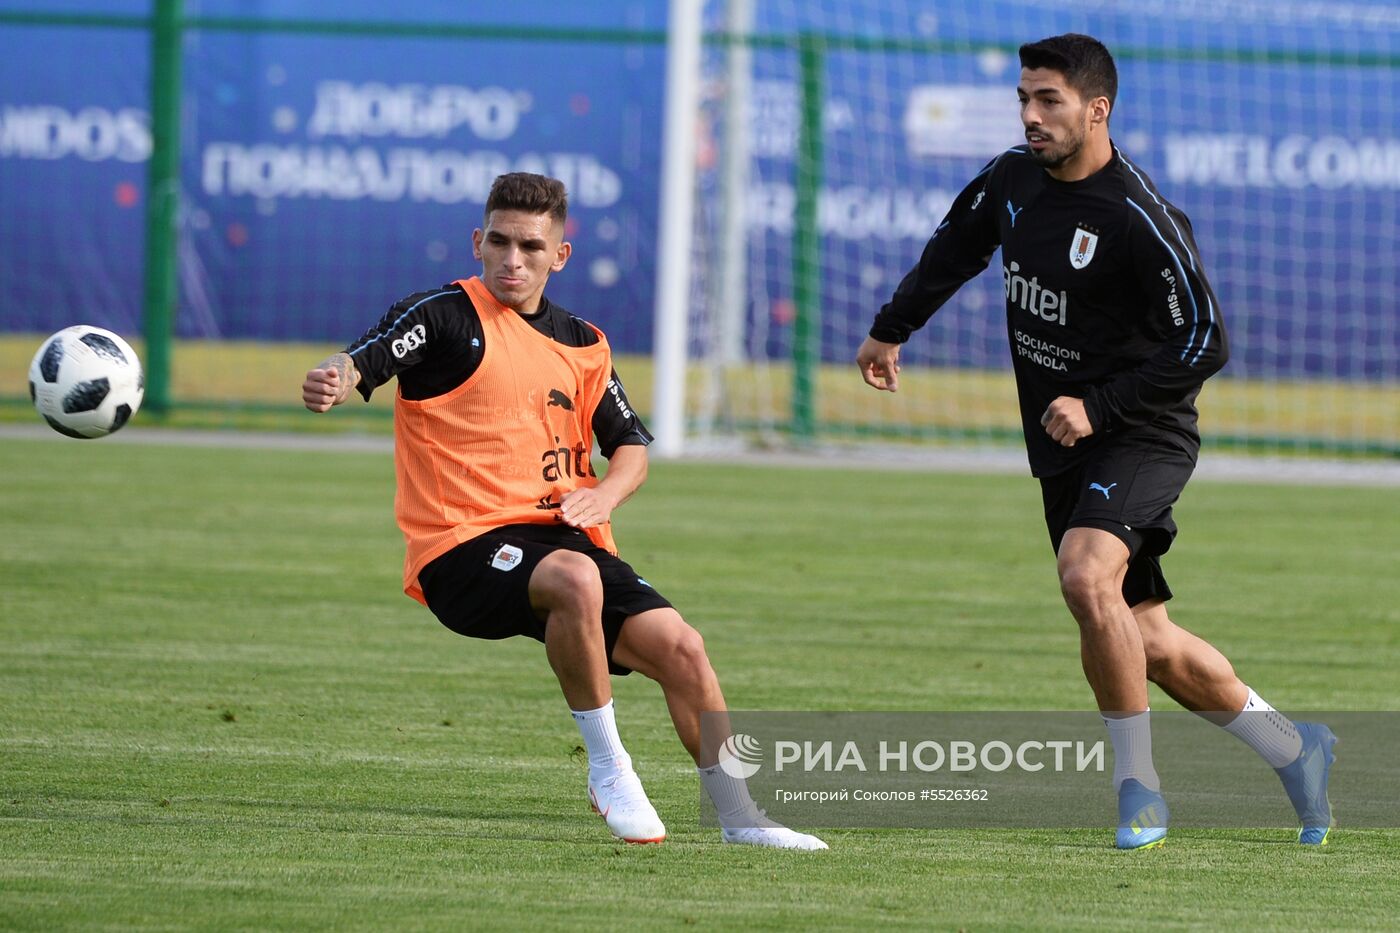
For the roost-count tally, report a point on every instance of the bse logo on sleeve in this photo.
(412, 339)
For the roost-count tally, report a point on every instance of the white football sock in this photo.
(599, 730)
(1132, 750)
(1267, 731)
(731, 797)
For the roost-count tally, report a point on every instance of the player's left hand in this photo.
(321, 389)
(586, 508)
(1066, 421)
(879, 364)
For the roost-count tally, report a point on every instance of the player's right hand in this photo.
(879, 364)
(321, 389)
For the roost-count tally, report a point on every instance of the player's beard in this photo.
(1054, 156)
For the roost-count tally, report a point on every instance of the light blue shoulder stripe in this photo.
(993, 164)
(1158, 201)
(985, 171)
(1190, 292)
(400, 318)
(1190, 255)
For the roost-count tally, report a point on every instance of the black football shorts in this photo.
(481, 588)
(1126, 487)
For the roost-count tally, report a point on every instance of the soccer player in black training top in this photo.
(1113, 328)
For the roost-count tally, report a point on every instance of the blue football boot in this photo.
(1142, 817)
(1306, 782)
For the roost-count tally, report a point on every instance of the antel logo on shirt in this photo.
(1031, 296)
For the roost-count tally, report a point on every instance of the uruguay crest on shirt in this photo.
(1081, 248)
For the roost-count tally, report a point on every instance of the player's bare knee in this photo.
(1087, 591)
(690, 653)
(567, 582)
(685, 659)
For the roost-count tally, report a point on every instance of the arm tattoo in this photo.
(349, 375)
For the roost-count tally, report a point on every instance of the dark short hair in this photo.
(1083, 60)
(530, 193)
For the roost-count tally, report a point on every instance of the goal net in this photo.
(834, 135)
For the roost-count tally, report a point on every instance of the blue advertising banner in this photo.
(325, 176)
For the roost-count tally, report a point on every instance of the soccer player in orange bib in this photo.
(501, 397)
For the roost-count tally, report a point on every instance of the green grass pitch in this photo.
(218, 712)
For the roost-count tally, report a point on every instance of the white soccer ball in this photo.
(86, 381)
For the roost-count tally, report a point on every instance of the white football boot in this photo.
(623, 805)
(761, 831)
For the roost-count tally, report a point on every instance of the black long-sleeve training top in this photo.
(1106, 298)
